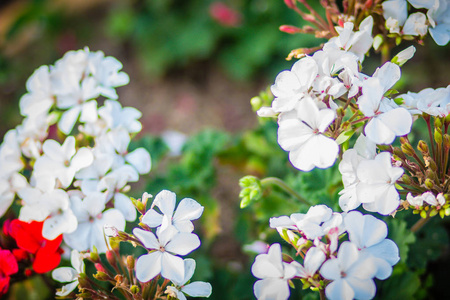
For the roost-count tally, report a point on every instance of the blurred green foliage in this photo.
(173, 34)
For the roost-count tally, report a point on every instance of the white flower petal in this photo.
(183, 243)
(147, 238)
(197, 289)
(148, 265)
(172, 267)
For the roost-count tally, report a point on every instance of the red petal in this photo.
(4, 285)
(27, 235)
(8, 263)
(46, 261)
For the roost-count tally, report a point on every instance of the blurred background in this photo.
(194, 66)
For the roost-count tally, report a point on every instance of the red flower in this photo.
(28, 236)
(8, 266)
(225, 15)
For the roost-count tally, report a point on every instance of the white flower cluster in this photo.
(434, 102)
(78, 185)
(426, 198)
(304, 99)
(349, 267)
(369, 179)
(436, 19)
(173, 238)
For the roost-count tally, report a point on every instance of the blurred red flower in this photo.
(225, 15)
(28, 236)
(8, 266)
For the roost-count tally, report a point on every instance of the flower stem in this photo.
(419, 224)
(322, 294)
(280, 183)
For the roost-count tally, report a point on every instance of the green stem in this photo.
(280, 183)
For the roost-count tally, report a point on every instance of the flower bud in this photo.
(447, 119)
(290, 29)
(256, 103)
(102, 276)
(399, 153)
(377, 41)
(99, 267)
(110, 256)
(430, 174)
(406, 179)
(408, 149)
(134, 289)
(138, 204)
(130, 262)
(145, 198)
(429, 183)
(437, 122)
(438, 135)
(110, 231)
(94, 255)
(423, 148)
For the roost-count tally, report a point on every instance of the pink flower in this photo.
(225, 15)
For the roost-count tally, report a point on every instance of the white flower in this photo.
(313, 260)
(358, 42)
(62, 161)
(395, 12)
(193, 289)
(363, 149)
(432, 200)
(91, 220)
(311, 222)
(114, 183)
(403, 56)
(175, 140)
(187, 210)
(303, 137)
(291, 86)
(68, 274)
(274, 275)
(53, 206)
(386, 121)
(369, 235)
(39, 98)
(416, 24)
(417, 201)
(438, 16)
(376, 189)
(76, 100)
(106, 71)
(163, 253)
(117, 117)
(351, 276)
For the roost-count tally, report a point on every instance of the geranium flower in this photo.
(274, 274)
(163, 256)
(193, 289)
(62, 161)
(68, 274)
(28, 236)
(369, 235)
(351, 276)
(302, 136)
(91, 220)
(187, 210)
(8, 266)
